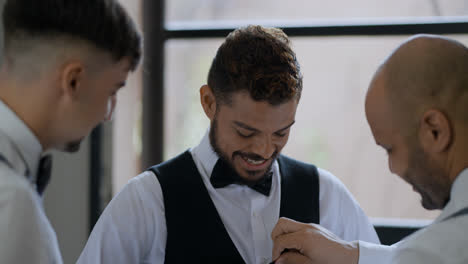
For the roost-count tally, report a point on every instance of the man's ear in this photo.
(71, 79)
(208, 101)
(436, 132)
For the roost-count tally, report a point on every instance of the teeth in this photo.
(254, 162)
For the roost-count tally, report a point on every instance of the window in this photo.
(209, 10)
(331, 130)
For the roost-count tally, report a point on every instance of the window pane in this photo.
(330, 131)
(126, 132)
(208, 10)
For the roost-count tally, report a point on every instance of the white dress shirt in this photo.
(132, 229)
(444, 241)
(26, 235)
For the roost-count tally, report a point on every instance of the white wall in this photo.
(66, 201)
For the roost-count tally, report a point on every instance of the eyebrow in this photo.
(245, 126)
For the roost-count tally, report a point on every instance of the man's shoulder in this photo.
(183, 165)
(441, 238)
(141, 191)
(15, 188)
(144, 180)
(11, 181)
(323, 174)
(174, 162)
(288, 159)
(434, 244)
(22, 216)
(147, 181)
(288, 165)
(9, 153)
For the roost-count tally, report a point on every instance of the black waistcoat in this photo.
(195, 231)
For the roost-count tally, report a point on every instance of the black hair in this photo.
(258, 60)
(103, 23)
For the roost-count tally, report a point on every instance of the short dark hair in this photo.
(103, 23)
(258, 60)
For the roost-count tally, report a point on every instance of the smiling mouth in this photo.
(254, 162)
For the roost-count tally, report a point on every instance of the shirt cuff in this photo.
(373, 253)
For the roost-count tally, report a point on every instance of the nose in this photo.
(264, 147)
(111, 102)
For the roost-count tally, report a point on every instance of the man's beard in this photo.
(435, 193)
(73, 146)
(229, 161)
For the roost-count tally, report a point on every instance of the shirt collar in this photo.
(206, 154)
(25, 142)
(458, 195)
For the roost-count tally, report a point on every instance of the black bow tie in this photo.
(43, 173)
(224, 175)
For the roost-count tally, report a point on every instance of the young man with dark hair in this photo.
(63, 63)
(219, 201)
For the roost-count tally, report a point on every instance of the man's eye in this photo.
(280, 134)
(244, 135)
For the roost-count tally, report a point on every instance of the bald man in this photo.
(417, 109)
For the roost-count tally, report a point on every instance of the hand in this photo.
(312, 241)
(293, 257)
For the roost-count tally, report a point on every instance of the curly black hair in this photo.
(258, 60)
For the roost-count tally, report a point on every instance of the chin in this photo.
(72, 147)
(429, 205)
(252, 176)
(428, 202)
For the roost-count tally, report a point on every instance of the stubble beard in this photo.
(73, 146)
(435, 193)
(213, 135)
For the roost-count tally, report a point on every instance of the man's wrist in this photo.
(352, 253)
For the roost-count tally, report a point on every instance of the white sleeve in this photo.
(26, 234)
(340, 212)
(132, 228)
(370, 253)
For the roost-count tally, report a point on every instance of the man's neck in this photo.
(26, 105)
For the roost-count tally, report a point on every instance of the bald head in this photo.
(416, 109)
(424, 72)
